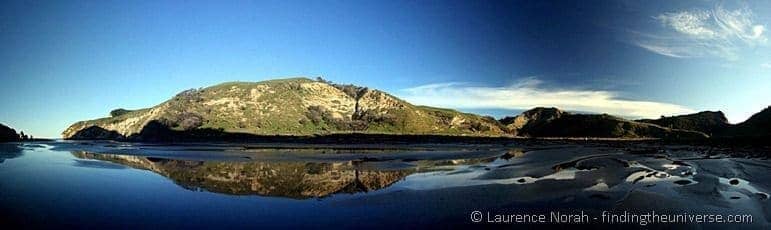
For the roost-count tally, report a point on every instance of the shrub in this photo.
(119, 112)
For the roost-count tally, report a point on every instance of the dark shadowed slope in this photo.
(8, 134)
(552, 122)
(716, 125)
(707, 122)
(758, 125)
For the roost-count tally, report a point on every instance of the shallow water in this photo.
(127, 185)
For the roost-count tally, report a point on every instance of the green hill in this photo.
(296, 106)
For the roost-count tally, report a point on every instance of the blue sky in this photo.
(67, 61)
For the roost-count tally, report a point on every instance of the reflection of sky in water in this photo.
(97, 164)
(47, 182)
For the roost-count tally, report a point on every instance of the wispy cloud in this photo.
(692, 23)
(704, 33)
(529, 93)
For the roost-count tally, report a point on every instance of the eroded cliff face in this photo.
(299, 180)
(120, 127)
(295, 106)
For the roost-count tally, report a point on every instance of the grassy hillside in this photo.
(295, 106)
(303, 107)
(551, 122)
(707, 122)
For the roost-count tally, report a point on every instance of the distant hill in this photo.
(707, 122)
(552, 122)
(296, 106)
(758, 125)
(531, 119)
(716, 125)
(8, 134)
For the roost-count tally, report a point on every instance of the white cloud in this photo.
(766, 65)
(528, 94)
(704, 33)
(671, 51)
(739, 24)
(690, 23)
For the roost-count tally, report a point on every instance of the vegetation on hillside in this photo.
(757, 126)
(8, 134)
(295, 106)
(552, 122)
(304, 107)
(119, 112)
(707, 122)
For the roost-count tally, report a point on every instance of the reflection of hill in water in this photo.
(9, 151)
(284, 179)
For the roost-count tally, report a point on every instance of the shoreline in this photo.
(740, 147)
